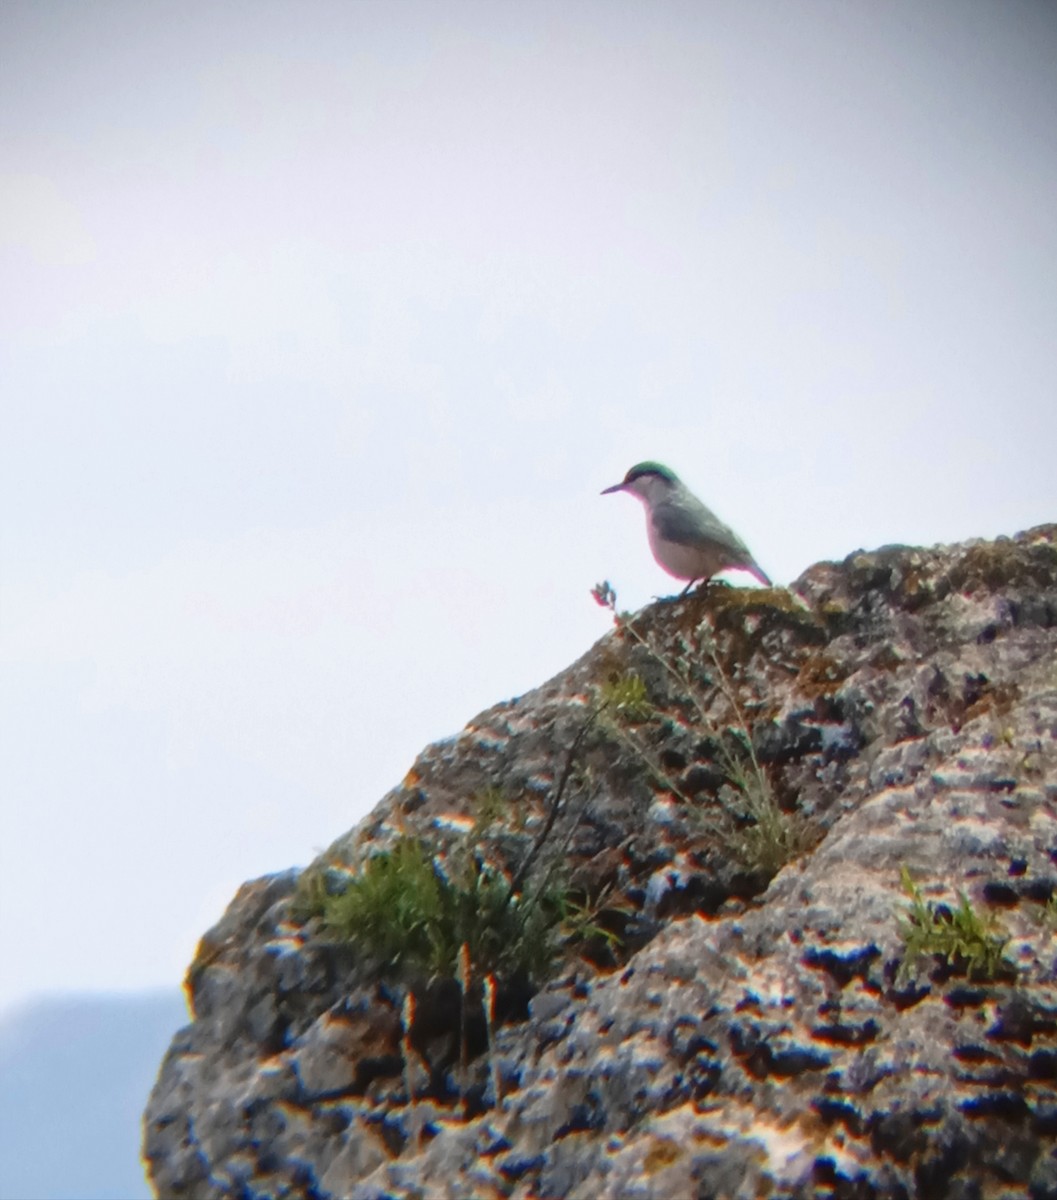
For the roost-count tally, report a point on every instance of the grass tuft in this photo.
(410, 915)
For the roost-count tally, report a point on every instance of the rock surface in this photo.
(747, 1035)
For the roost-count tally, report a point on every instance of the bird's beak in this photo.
(617, 487)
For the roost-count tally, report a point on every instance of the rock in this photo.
(752, 1023)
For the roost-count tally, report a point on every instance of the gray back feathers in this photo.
(688, 522)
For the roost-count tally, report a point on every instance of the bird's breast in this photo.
(684, 561)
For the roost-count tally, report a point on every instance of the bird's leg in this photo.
(686, 589)
(712, 582)
(703, 585)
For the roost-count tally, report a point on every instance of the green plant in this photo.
(417, 916)
(582, 918)
(763, 838)
(409, 916)
(627, 696)
(622, 702)
(488, 806)
(388, 909)
(316, 886)
(455, 914)
(310, 895)
(969, 942)
(770, 838)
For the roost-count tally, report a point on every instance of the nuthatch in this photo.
(687, 539)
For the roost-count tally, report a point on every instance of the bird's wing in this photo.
(689, 525)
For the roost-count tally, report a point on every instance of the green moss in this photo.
(749, 614)
(764, 600)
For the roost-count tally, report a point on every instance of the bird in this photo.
(687, 539)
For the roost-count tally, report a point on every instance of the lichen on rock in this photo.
(713, 1026)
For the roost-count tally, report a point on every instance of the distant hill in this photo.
(75, 1072)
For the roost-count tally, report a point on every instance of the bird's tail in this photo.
(757, 572)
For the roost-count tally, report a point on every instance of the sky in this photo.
(324, 325)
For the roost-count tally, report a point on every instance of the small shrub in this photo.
(410, 916)
(389, 908)
(969, 942)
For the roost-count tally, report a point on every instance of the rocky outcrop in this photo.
(725, 1031)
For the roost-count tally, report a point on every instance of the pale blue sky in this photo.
(325, 323)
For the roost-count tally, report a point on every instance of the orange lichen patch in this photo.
(662, 1153)
(886, 658)
(821, 675)
(997, 700)
(834, 614)
(207, 954)
(705, 1135)
(917, 588)
(412, 779)
(458, 822)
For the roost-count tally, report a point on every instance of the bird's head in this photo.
(650, 481)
